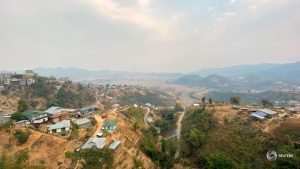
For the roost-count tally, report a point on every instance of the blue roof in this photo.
(115, 144)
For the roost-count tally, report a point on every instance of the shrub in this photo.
(21, 136)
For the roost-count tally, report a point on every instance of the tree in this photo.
(266, 103)
(220, 161)
(203, 100)
(22, 105)
(178, 107)
(95, 158)
(210, 101)
(93, 121)
(235, 100)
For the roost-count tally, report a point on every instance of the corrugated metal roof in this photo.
(98, 142)
(61, 124)
(54, 110)
(82, 121)
(33, 113)
(115, 144)
(268, 111)
(260, 115)
(87, 108)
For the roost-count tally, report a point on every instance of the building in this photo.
(97, 142)
(294, 109)
(114, 145)
(259, 115)
(88, 109)
(23, 82)
(36, 116)
(29, 73)
(30, 81)
(82, 122)
(55, 112)
(270, 113)
(62, 128)
(110, 125)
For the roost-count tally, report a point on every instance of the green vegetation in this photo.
(93, 158)
(22, 106)
(167, 123)
(93, 121)
(220, 161)
(235, 100)
(136, 116)
(162, 156)
(21, 136)
(153, 97)
(234, 144)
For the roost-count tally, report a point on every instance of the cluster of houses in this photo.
(60, 118)
(109, 126)
(262, 114)
(8, 78)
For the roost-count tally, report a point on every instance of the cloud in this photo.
(229, 13)
(136, 16)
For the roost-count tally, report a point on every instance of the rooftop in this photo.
(59, 125)
(54, 110)
(268, 111)
(110, 123)
(114, 145)
(260, 115)
(87, 108)
(82, 121)
(98, 142)
(33, 113)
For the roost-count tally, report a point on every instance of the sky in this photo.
(147, 35)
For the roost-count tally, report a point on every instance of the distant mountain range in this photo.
(288, 71)
(249, 75)
(82, 74)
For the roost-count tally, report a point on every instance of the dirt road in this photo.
(100, 121)
(145, 117)
(178, 133)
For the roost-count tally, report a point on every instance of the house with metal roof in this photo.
(82, 122)
(36, 116)
(95, 141)
(270, 113)
(55, 112)
(259, 115)
(62, 128)
(88, 109)
(110, 125)
(114, 145)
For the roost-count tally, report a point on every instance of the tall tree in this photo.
(22, 105)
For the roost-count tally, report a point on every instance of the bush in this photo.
(220, 161)
(21, 136)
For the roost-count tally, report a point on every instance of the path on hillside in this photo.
(178, 133)
(145, 117)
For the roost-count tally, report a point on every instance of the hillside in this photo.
(286, 71)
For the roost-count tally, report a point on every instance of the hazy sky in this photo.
(147, 35)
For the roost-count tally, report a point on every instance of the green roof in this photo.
(33, 113)
(110, 123)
